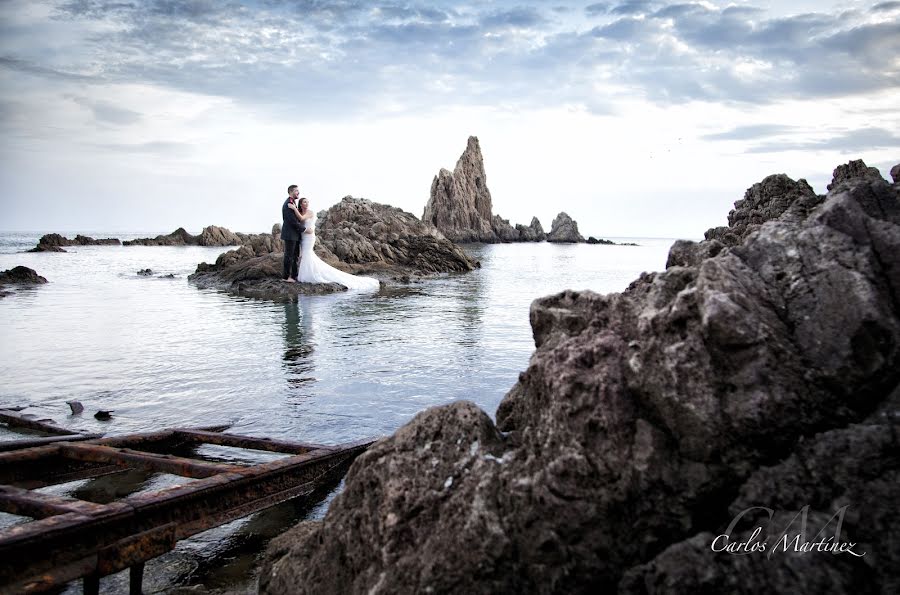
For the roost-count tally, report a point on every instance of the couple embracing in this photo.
(298, 232)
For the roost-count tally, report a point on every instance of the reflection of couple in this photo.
(298, 231)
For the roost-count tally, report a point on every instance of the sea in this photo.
(160, 353)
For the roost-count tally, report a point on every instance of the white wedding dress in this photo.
(314, 270)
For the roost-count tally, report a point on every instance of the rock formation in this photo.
(564, 230)
(531, 233)
(19, 276)
(53, 242)
(376, 238)
(895, 173)
(764, 375)
(211, 235)
(356, 235)
(460, 202)
(854, 170)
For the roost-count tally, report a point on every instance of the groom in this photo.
(291, 229)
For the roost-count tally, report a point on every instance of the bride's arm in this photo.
(311, 223)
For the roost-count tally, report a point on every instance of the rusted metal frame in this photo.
(190, 508)
(265, 444)
(8, 445)
(43, 466)
(15, 419)
(38, 506)
(128, 458)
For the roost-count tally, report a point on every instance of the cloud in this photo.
(107, 112)
(42, 71)
(865, 139)
(751, 132)
(517, 17)
(166, 149)
(597, 9)
(886, 6)
(632, 7)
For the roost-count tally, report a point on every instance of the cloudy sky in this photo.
(637, 117)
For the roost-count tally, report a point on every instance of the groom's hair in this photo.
(291, 187)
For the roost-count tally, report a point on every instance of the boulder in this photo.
(19, 276)
(760, 376)
(564, 230)
(895, 173)
(531, 233)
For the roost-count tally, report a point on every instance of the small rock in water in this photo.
(145, 272)
(103, 415)
(76, 407)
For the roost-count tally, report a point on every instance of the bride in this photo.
(312, 268)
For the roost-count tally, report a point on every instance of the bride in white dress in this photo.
(313, 269)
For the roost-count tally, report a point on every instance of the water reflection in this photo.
(299, 343)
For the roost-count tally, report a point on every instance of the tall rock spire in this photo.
(460, 202)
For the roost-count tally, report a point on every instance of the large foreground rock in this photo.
(645, 422)
(257, 277)
(54, 242)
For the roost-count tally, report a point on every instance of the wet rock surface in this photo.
(765, 374)
(534, 232)
(564, 230)
(257, 277)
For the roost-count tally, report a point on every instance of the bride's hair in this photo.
(301, 206)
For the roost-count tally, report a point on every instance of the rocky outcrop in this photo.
(370, 237)
(855, 170)
(564, 230)
(460, 202)
(179, 237)
(895, 173)
(503, 230)
(531, 233)
(54, 242)
(211, 235)
(777, 196)
(255, 276)
(19, 276)
(645, 421)
(356, 235)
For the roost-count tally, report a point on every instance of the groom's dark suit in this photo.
(291, 230)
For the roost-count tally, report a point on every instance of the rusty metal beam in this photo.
(265, 444)
(127, 458)
(8, 445)
(38, 506)
(14, 419)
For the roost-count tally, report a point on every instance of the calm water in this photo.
(329, 369)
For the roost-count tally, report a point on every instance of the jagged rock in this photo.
(533, 232)
(593, 240)
(179, 237)
(895, 173)
(776, 196)
(854, 170)
(53, 242)
(460, 202)
(564, 230)
(145, 272)
(503, 230)
(370, 237)
(641, 418)
(219, 236)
